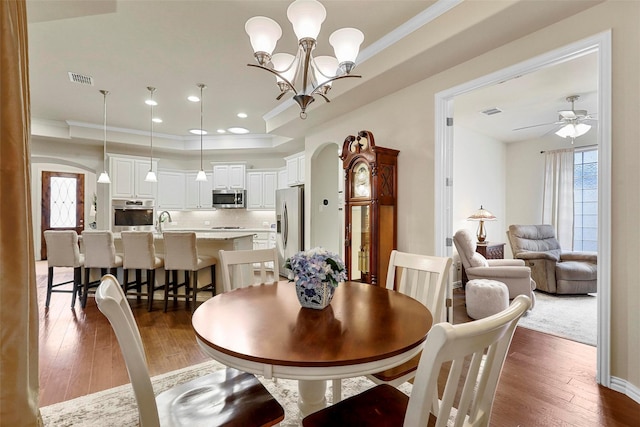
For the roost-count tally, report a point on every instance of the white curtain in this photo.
(557, 205)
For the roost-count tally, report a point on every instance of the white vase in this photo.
(317, 297)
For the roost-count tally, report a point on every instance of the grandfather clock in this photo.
(371, 185)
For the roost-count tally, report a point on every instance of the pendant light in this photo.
(104, 176)
(201, 177)
(151, 175)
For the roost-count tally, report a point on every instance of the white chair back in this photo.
(63, 249)
(477, 351)
(139, 250)
(180, 251)
(421, 277)
(99, 249)
(113, 304)
(239, 268)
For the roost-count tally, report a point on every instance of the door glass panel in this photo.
(360, 242)
(63, 202)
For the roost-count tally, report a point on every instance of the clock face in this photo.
(361, 181)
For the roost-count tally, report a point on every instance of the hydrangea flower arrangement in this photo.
(313, 267)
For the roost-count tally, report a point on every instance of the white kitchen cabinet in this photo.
(127, 178)
(264, 240)
(198, 194)
(282, 178)
(171, 190)
(295, 169)
(261, 189)
(229, 176)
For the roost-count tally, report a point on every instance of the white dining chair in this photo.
(225, 397)
(423, 278)
(63, 251)
(248, 267)
(476, 352)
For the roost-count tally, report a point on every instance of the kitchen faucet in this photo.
(161, 219)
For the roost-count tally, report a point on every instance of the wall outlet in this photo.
(207, 223)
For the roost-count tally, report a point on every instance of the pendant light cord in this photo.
(104, 141)
(201, 129)
(151, 90)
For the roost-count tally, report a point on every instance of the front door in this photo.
(62, 203)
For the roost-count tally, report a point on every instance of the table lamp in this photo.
(481, 215)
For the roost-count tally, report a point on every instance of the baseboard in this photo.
(626, 388)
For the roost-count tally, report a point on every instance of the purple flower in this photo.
(316, 266)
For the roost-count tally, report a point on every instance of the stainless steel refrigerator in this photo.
(289, 224)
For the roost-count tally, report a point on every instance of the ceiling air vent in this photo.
(80, 78)
(491, 111)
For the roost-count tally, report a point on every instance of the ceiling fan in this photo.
(572, 121)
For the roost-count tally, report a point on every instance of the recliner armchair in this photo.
(511, 272)
(554, 270)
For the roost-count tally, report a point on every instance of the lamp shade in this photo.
(346, 44)
(151, 177)
(286, 64)
(325, 68)
(307, 17)
(573, 130)
(482, 215)
(264, 33)
(104, 178)
(201, 177)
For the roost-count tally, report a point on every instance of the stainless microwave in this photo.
(229, 199)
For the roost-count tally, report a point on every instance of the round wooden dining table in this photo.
(262, 329)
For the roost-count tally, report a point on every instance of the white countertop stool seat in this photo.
(181, 254)
(99, 252)
(139, 253)
(63, 251)
(485, 297)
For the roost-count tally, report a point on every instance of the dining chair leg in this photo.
(87, 276)
(125, 282)
(194, 276)
(139, 283)
(213, 280)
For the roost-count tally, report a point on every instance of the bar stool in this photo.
(139, 254)
(63, 251)
(99, 252)
(181, 254)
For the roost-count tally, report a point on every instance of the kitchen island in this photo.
(208, 243)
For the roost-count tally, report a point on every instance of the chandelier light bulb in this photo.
(307, 17)
(263, 33)
(286, 64)
(326, 68)
(346, 44)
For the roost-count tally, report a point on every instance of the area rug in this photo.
(116, 407)
(567, 316)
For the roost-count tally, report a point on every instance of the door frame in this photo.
(443, 168)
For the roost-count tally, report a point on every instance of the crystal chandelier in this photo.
(317, 73)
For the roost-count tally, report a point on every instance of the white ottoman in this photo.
(485, 297)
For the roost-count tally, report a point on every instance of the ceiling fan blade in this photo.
(535, 126)
(568, 114)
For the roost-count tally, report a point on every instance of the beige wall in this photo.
(404, 121)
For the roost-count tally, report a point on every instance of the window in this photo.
(585, 200)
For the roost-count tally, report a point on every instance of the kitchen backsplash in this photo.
(220, 218)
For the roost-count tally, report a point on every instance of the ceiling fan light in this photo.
(581, 129)
(307, 17)
(346, 44)
(264, 33)
(572, 130)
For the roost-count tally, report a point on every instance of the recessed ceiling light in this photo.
(238, 130)
(198, 131)
(193, 98)
(156, 120)
(150, 102)
(222, 131)
(242, 115)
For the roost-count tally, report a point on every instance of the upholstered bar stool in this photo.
(181, 254)
(99, 252)
(139, 253)
(63, 251)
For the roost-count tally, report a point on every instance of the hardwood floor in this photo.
(545, 381)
